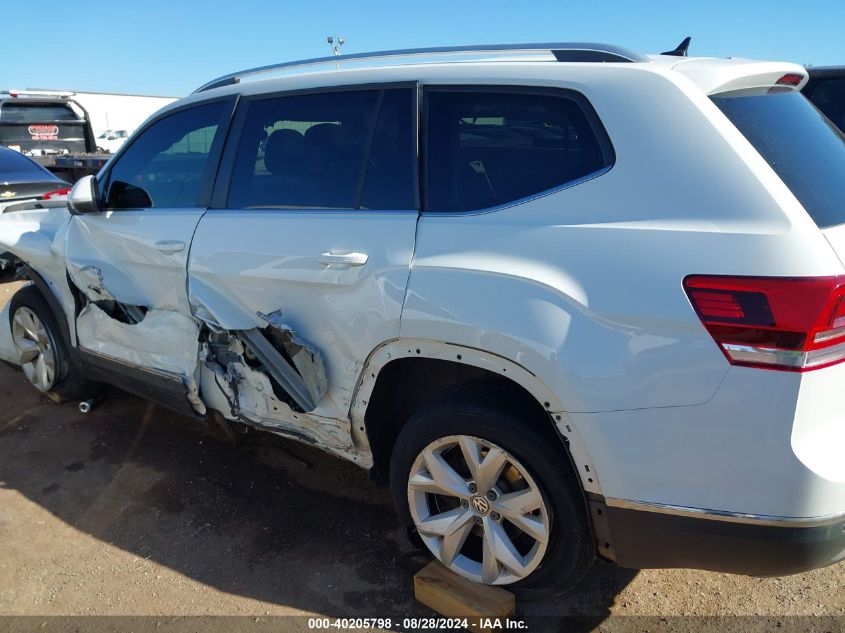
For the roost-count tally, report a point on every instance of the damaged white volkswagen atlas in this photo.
(569, 300)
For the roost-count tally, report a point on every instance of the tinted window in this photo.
(489, 147)
(14, 166)
(829, 97)
(165, 165)
(800, 144)
(20, 112)
(343, 150)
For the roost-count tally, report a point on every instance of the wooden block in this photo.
(453, 596)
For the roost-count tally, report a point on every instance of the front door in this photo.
(316, 227)
(135, 251)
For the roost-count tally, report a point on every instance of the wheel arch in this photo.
(49, 296)
(403, 374)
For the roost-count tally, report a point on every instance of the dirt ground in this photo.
(132, 510)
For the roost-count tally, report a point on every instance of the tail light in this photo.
(790, 79)
(58, 192)
(786, 323)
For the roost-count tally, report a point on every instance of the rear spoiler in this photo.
(720, 75)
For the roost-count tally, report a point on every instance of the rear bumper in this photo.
(755, 546)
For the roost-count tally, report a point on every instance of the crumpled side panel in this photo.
(89, 279)
(164, 340)
(308, 361)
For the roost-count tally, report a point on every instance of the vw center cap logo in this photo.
(480, 505)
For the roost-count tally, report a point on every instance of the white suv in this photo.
(569, 300)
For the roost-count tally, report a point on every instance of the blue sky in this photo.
(169, 48)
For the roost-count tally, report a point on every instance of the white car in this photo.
(111, 140)
(570, 301)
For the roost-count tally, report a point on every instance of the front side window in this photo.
(165, 166)
(344, 150)
(490, 146)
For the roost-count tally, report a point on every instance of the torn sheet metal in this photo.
(164, 340)
(89, 279)
(241, 392)
(278, 367)
(307, 361)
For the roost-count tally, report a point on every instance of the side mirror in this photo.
(83, 196)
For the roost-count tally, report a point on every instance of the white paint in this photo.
(576, 295)
(122, 245)
(7, 346)
(164, 340)
(245, 262)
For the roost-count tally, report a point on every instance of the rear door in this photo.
(315, 224)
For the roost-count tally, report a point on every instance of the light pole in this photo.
(336, 49)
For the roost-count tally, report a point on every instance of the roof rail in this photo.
(563, 52)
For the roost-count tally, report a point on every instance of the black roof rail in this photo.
(563, 52)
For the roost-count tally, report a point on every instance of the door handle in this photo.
(170, 247)
(344, 259)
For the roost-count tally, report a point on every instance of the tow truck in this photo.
(51, 128)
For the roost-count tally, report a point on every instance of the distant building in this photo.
(116, 111)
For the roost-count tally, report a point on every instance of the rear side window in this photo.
(165, 166)
(490, 146)
(800, 144)
(345, 150)
(20, 112)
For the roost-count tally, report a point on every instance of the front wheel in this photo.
(490, 496)
(41, 351)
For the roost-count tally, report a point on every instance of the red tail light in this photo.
(791, 79)
(58, 192)
(788, 323)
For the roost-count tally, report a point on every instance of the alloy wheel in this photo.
(478, 510)
(36, 348)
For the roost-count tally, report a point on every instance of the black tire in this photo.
(481, 411)
(69, 383)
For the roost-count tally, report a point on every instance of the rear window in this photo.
(19, 112)
(800, 144)
(14, 166)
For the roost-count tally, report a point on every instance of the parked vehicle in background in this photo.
(21, 178)
(110, 141)
(568, 300)
(40, 123)
(826, 89)
(22, 181)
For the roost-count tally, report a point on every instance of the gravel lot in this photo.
(132, 510)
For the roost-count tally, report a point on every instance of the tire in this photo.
(483, 419)
(64, 380)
